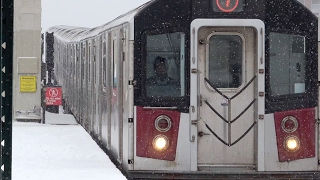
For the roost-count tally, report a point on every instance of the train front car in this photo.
(197, 88)
(225, 87)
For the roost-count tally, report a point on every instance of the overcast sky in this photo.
(84, 13)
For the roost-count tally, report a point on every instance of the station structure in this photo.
(313, 5)
(20, 71)
(27, 60)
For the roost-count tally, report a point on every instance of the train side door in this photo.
(116, 94)
(226, 68)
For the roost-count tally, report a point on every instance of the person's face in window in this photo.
(161, 69)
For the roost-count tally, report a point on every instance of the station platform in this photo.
(59, 149)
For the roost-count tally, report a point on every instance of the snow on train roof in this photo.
(72, 33)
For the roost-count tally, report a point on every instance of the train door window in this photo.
(109, 61)
(225, 60)
(77, 53)
(89, 62)
(287, 64)
(77, 63)
(85, 62)
(94, 61)
(82, 61)
(63, 56)
(71, 60)
(104, 62)
(165, 65)
(114, 66)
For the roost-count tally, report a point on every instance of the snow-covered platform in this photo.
(60, 149)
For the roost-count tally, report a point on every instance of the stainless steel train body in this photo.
(245, 98)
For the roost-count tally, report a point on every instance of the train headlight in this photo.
(292, 143)
(289, 124)
(160, 143)
(163, 123)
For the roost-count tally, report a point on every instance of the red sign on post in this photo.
(53, 96)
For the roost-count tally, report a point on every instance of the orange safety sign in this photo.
(53, 96)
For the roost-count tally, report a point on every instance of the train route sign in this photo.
(227, 6)
(53, 96)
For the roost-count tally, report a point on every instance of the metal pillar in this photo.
(6, 87)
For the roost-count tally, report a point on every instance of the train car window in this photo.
(225, 61)
(228, 6)
(298, 44)
(165, 65)
(287, 64)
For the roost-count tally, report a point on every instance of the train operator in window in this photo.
(161, 84)
(161, 73)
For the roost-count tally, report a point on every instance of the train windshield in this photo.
(165, 65)
(287, 64)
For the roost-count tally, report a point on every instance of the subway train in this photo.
(202, 89)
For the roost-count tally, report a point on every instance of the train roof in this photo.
(73, 33)
(289, 13)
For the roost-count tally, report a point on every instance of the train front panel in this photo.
(235, 89)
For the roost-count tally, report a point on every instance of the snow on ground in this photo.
(54, 151)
